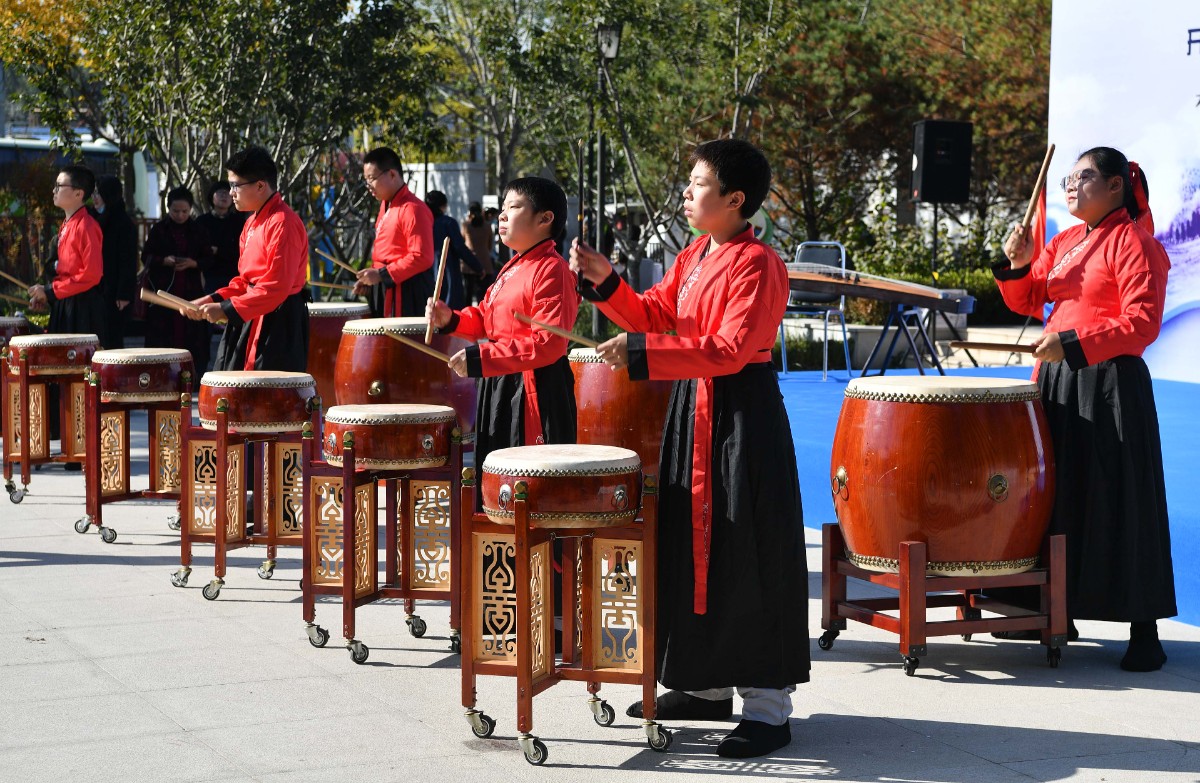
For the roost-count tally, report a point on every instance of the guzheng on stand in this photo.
(36, 364)
(157, 381)
(242, 412)
(365, 446)
(943, 489)
(375, 368)
(904, 300)
(532, 495)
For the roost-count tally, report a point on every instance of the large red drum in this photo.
(962, 464)
(373, 368)
(390, 437)
(569, 486)
(325, 322)
(141, 374)
(10, 327)
(259, 400)
(52, 354)
(615, 411)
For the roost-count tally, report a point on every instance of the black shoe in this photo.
(1145, 652)
(754, 738)
(73, 467)
(677, 705)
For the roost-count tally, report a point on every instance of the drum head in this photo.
(273, 379)
(38, 340)
(141, 356)
(389, 414)
(584, 356)
(561, 460)
(406, 325)
(942, 389)
(12, 320)
(337, 309)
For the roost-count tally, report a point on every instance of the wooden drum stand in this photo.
(416, 452)
(608, 598)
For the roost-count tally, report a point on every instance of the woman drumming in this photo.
(1107, 279)
(177, 250)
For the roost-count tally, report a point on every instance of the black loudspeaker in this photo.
(941, 168)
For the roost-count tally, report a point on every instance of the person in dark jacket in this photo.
(120, 250)
(177, 252)
(223, 224)
(446, 227)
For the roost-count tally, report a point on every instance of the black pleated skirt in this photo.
(755, 632)
(83, 313)
(1111, 497)
(500, 410)
(282, 340)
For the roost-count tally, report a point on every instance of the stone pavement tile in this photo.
(261, 701)
(71, 721)
(35, 646)
(311, 744)
(1168, 764)
(42, 682)
(92, 610)
(1142, 711)
(452, 769)
(175, 757)
(206, 666)
(148, 636)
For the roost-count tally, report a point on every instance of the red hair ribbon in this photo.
(1144, 218)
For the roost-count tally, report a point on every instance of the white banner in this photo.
(1129, 77)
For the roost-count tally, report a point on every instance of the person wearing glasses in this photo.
(264, 303)
(1107, 279)
(400, 279)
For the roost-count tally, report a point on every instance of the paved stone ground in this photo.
(108, 673)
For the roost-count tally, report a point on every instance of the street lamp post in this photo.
(608, 40)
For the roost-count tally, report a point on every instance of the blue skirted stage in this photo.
(813, 406)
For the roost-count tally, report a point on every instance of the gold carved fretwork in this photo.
(166, 427)
(616, 605)
(492, 564)
(366, 555)
(235, 496)
(202, 457)
(428, 562)
(541, 608)
(78, 420)
(114, 476)
(289, 470)
(327, 531)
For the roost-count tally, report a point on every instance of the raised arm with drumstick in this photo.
(1106, 280)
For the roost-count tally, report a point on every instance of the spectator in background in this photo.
(477, 232)
(446, 227)
(176, 254)
(118, 287)
(223, 224)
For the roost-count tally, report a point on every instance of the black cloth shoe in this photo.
(1145, 652)
(754, 738)
(677, 705)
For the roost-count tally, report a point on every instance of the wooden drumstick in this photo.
(338, 286)
(1037, 189)
(555, 330)
(341, 264)
(13, 280)
(1009, 347)
(16, 299)
(171, 302)
(183, 304)
(437, 287)
(422, 347)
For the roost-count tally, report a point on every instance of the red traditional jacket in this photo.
(273, 266)
(1107, 286)
(537, 283)
(724, 309)
(403, 242)
(80, 260)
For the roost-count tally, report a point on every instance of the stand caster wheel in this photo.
(358, 652)
(482, 725)
(107, 534)
(416, 626)
(966, 637)
(534, 749)
(82, 525)
(604, 715)
(659, 738)
(17, 495)
(1053, 656)
(825, 642)
(456, 645)
(910, 665)
(213, 589)
(317, 636)
(266, 570)
(180, 577)
(174, 522)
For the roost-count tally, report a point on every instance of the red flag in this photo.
(1037, 228)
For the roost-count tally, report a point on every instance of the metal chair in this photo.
(817, 303)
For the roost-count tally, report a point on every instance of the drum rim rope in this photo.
(335, 309)
(144, 355)
(986, 396)
(600, 516)
(585, 356)
(391, 418)
(415, 324)
(994, 567)
(335, 459)
(41, 340)
(255, 380)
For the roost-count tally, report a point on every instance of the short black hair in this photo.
(738, 165)
(215, 188)
(384, 158)
(180, 194)
(254, 163)
(81, 178)
(544, 195)
(436, 199)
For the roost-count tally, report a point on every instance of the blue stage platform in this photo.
(813, 405)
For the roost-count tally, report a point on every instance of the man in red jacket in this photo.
(73, 296)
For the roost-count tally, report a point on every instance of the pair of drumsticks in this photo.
(1033, 200)
(24, 287)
